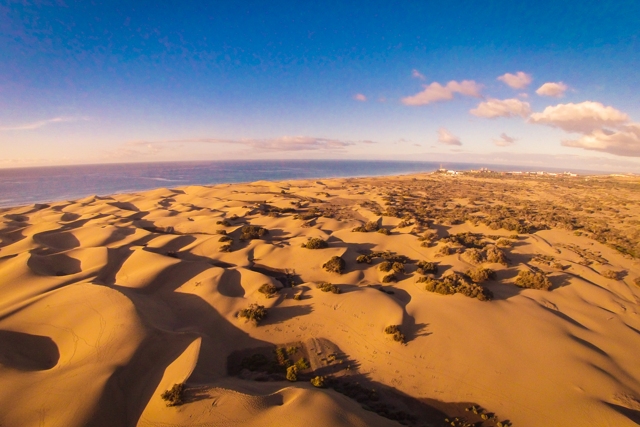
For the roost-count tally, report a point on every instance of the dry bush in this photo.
(174, 396)
(473, 255)
(315, 243)
(532, 280)
(362, 259)
(225, 239)
(335, 265)
(254, 313)
(444, 250)
(250, 232)
(495, 255)
(612, 274)
(395, 331)
(292, 373)
(389, 278)
(468, 240)
(505, 243)
(370, 226)
(268, 290)
(427, 267)
(317, 381)
(328, 287)
(481, 274)
(384, 231)
(456, 284)
(385, 266)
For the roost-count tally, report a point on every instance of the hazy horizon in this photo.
(528, 84)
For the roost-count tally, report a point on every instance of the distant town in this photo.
(489, 171)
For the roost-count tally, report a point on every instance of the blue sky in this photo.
(532, 83)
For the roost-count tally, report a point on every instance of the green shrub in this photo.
(292, 373)
(315, 243)
(532, 280)
(317, 381)
(426, 267)
(174, 396)
(302, 364)
(328, 287)
(395, 331)
(335, 265)
(292, 349)
(268, 290)
(250, 232)
(254, 313)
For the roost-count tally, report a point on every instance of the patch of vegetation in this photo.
(254, 313)
(456, 284)
(368, 227)
(250, 232)
(297, 297)
(223, 232)
(362, 259)
(505, 243)
(268, 290)
(490, 254)
(174, 396)
(612, 274)
(390, 278)
(225, 248)
(328, 287)
(384, 231)
(481, 274)
(444, 250)
(315, 243)
(394, 330)
(292, 350)
(468, 240)
(427, 267)
(224, 223)
(533, 280)
(225, 239)
(292, 373)
(302, 364)
(317, 381)
(335, 265)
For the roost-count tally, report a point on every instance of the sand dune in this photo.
(107, 302)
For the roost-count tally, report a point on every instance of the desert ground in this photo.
(422, 300)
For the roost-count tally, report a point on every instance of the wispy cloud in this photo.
(417, 74)
(284, 143)
(518, 80)
(504, 140)
(436, 92)
(622, 142)
(447, 138)
(41, 123)
(493, 108)
(555, 90)
(360, 97)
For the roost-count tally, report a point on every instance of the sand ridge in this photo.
(106, 302)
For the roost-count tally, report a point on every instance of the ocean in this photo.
(25, 186)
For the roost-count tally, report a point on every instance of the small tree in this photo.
(174, 395)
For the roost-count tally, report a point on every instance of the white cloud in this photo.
(504, 141)
(360, 97)
(446, 137)
(417, 74)
(584, 117)
(518, 80)
(552, 89)
(623, 142)
(436, 92)
(493, 108)
(36, 125)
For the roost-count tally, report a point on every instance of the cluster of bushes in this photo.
(335, 265)
(533, 280)
(387, 266)
(368, 227)
(315, 243)
(254, 313)
(268, 290)
(612, 274)
(250, 232)
(318, 381)
(224, 223)
(490, 254)
(456, 284)
(225, 238)
(394, 330)
(468, 240)
(427, 267)
(328, 287)
(174, 396)
(387, 256)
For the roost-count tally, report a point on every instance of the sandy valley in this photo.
(424, 300)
